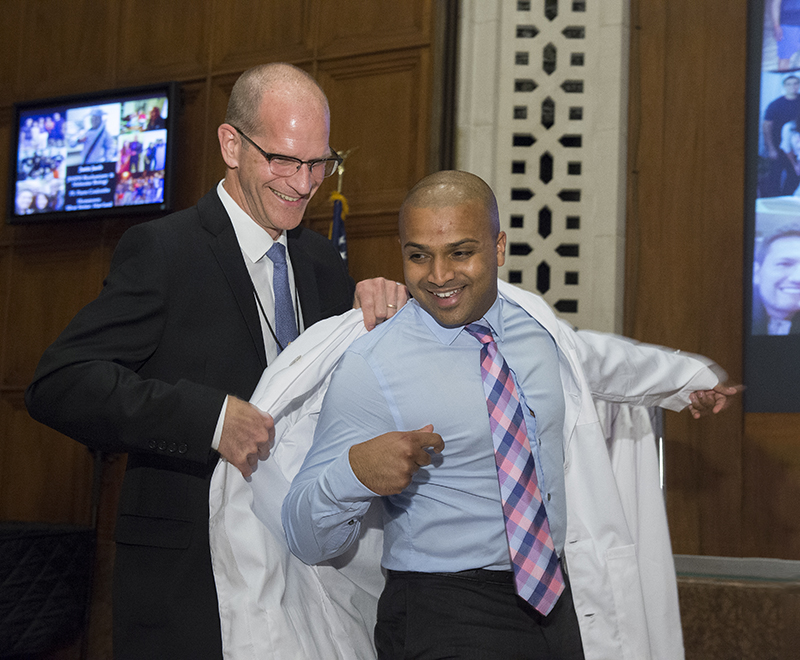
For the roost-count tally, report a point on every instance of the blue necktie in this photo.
(285, 323)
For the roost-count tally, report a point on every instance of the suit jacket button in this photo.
(152, 444)
(162, 445)
(173, 447)
(183, 448)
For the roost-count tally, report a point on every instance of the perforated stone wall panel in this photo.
(542, 118)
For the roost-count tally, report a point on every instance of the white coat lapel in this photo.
(568, 360)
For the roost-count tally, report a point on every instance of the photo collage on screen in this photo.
(80, 157)
(776, 248)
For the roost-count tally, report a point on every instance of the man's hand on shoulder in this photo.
(711, 402)
(379, 299)
(247, 435)
(387, 464)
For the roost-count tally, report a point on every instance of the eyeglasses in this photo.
(281, 165)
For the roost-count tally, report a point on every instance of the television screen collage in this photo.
(772, 260)
(78, 157)
(776, 245)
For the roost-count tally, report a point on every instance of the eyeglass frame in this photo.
(311, 163)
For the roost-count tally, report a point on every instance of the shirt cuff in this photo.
(342, 483)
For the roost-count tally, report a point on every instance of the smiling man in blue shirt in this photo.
(450, 588)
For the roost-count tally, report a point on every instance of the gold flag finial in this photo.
(340, 169)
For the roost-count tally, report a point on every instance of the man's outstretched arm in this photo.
(711, 402)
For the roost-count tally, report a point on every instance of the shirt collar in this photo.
(494, 318)
(254, 240)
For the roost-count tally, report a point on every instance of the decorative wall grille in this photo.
(542, 118)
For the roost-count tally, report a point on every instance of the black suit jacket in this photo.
(761, 318)
(144, 369)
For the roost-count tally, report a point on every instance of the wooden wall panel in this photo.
(247, 33)
(364, 26)
(373, 244)
(194, 148)
(377, 114)
(5, 296)
(217, 103)
(375, 256)
(11, 47)
(771, 485)
(67, 47)
(685, 240)
(162, 40)
(48, 288)
(46, 476)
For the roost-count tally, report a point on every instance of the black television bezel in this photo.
(770, 363)
(170, 89)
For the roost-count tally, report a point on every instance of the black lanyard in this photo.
(266, 320)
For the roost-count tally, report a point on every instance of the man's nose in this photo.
(303, 181)
(441, 272)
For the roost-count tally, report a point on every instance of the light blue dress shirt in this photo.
(407, 373)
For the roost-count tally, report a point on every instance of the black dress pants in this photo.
(471, 615)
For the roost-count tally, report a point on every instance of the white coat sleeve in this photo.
(625, 371)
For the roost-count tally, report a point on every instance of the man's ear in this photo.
(229, 145)
(501, 248)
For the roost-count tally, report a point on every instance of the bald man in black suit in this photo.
(162, 363)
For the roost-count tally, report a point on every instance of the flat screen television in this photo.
(772, 208)
(93, 155)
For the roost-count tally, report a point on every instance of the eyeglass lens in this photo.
(287, 166)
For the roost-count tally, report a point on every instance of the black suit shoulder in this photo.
(148, 363)
(322, 280)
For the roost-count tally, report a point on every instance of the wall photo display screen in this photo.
(93, 155)
(772, 240)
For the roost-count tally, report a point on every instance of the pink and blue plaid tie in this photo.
(537, 572)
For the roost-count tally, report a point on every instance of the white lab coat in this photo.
(617, 550)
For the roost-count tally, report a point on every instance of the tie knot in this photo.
(277, 253)
(481, 332)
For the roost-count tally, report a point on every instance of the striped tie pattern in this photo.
(537, 571)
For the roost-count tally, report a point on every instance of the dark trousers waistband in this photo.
(470, 614)
(475, 574)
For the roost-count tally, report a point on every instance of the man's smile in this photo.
(447, 294)
(285, 197)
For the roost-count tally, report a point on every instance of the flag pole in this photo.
(336, 233)
(340, 170)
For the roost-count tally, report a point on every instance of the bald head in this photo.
(282, 83)
(452, 246)
(452, 188)
(274, 109)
